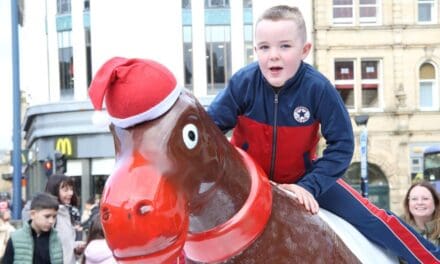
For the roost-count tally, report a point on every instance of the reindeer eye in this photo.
(190, 136)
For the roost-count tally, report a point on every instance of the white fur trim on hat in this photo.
(151, 113)
(100, 119)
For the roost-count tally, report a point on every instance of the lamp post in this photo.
(362, 121)
(16, 135)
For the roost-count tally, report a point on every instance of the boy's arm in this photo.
(8, 257)
(224, 109)
(337, 131)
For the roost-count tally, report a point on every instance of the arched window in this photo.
(378, 188)
(428, 88)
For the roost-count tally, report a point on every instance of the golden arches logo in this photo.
(64, 145)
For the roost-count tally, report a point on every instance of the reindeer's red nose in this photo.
(144, 217)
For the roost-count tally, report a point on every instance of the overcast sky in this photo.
(6, 76)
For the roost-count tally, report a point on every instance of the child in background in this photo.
(276, 108)
(90, 209)
(37, 241)
(97, 250)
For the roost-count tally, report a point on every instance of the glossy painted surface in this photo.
(230, 238)
(179, 184)
(143, 214)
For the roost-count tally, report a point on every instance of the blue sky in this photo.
(6, 76)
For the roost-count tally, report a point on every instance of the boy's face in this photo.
(280, 50)
(43, 220)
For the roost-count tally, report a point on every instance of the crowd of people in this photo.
(52, 229)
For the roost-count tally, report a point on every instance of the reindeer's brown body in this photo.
(164, 191)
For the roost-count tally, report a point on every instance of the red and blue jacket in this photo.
(280, 129)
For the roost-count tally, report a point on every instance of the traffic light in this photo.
(48, 167)
(60, 162)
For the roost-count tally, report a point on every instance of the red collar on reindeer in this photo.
(234, 236)
(135, 90)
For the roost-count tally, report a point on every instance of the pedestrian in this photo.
(276, 107)
(5, 229)
(90, 209)
(97, 250)
(422, 210)
(36, 241)
(68, 218)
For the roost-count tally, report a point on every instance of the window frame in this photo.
(358, 83)
(434, 88)
(344, 20)
(346, 82)
(370, 20)
(356, 19)
(64, 7)
(370, 81)
(433, 9)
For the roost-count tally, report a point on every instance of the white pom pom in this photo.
(100, 119)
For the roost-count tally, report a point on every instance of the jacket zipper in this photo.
(274, 137)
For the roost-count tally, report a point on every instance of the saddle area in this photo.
(366, 251)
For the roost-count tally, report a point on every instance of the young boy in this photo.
(276, 107)
(37, 241)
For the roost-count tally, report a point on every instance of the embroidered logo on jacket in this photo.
(301, 114)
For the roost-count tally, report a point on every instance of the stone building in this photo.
(384, 58)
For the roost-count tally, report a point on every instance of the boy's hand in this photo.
(304, 197)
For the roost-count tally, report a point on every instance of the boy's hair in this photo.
(284, 12)
(43, 201)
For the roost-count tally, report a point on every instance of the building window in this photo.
(248, 32)
(63, 7)
(427, 11)
(188, 56)
(187, 43)
(343, 12)
(186, 4)
(88, 54)
(218, 57)
(370, 83)
(368, 11)
(344, 81)
(366, 86)
(217, 3)
(65, 57)
(356, 12)
(86, 5)
(429, 96)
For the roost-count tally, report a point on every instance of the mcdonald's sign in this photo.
(66, 146)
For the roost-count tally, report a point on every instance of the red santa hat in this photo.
(135, 90)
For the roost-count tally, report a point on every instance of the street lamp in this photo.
(362, 120)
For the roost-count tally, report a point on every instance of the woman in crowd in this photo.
(6, 228)
(68, 217)
(422, 210)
